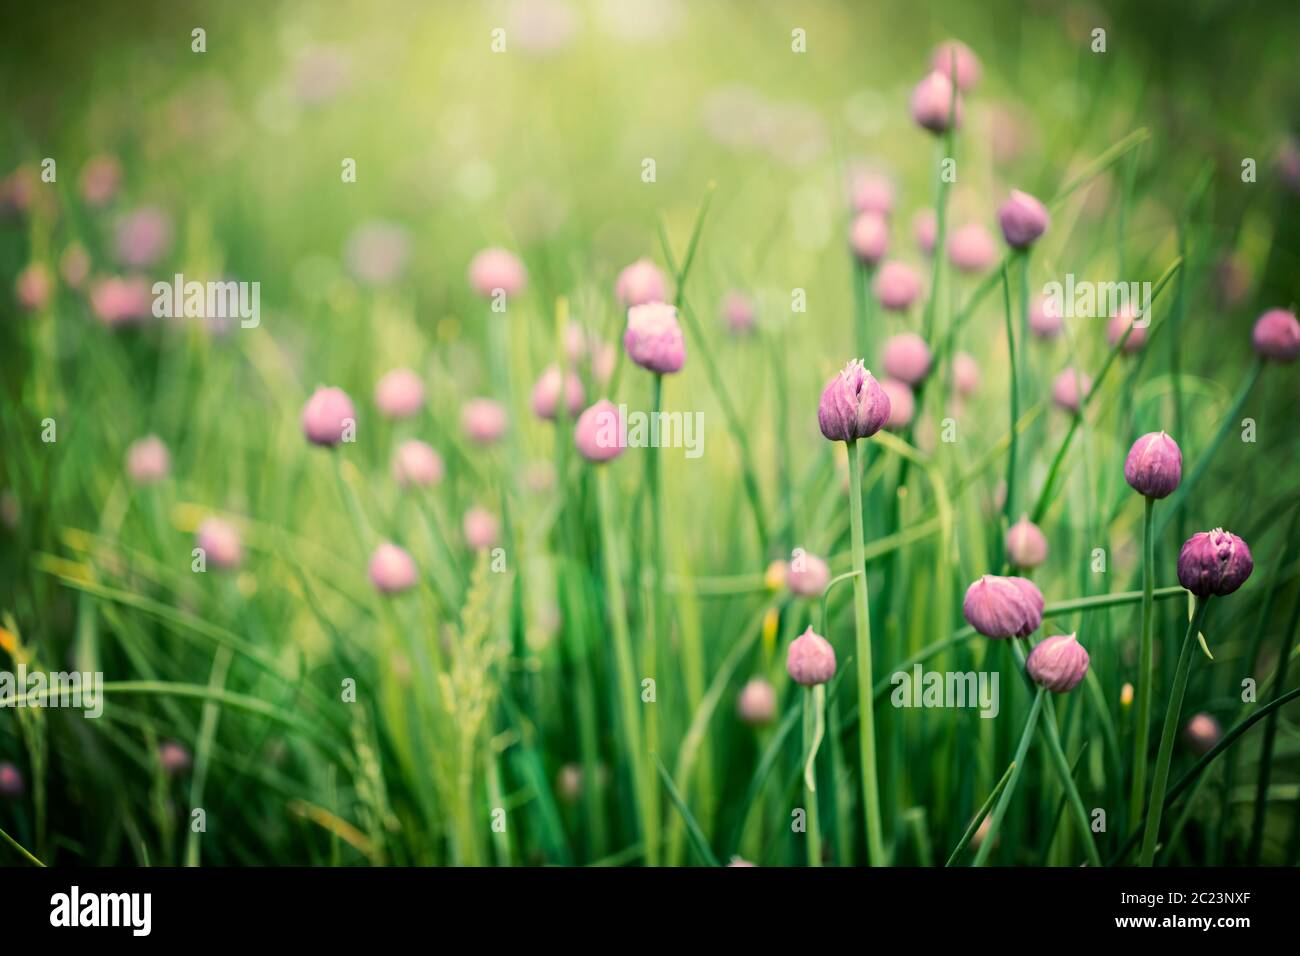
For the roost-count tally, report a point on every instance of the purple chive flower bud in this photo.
(757, 703)
(1202, 733)
(811, 659)
(599, 432)
(1023, 219)
(807, 575)
(496, 270)
(399, 394)
(484, 420)
(965, 374)
(147, 460)
(639, 283)
(653, 338)
(1154, 466)
(1003, 607)
(1026, 545)
(925, 229)
(173, 757)
(853, 405)
(906, 357)
(869, 237)
(1276, 335)
(968, 64)
(482, 529)
(392, 570)
(546, 394)
(897, 286)
(327, 416)
(1069, 389)
(972, 248)
(1044, 317)
(221, 543)
(1119, 324)
(1058, 663)
(1214, 563)
(11, 781)
(902, 403)
(932, 104)
(416, 464)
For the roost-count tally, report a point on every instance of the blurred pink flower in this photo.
(142, 237)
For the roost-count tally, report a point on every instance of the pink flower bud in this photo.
(653, 339)
(33, 287)
(599, 432)
(482, 529)
(968, 64)
(1119, 324)
(869, 237)
(1202, 733)
(972, 248)
(1276, 335)
(738, 313)
(902, 403)
(965, 374)
(116, 301)
(807, 575)
(925, 229)
(1044, 317)
(100, 177)
(872, 192)
(1069, 388)
(11, 781)
(221, 543)
(639, 283)
(495, 271)
(142, 237)
(173, 758)
(853, 405)
(416, 464)
(1003, 607)
(811, 659)
(906, 357)
(1058, 663)
(484, 420)
(328, 416)
(546, 394)
(932, 105)
(1026, 545)
(1023, 219)
(392, 570)
(147, 460)
(757, 703)
(1154, 466)
(1214, 563)
(897, 286)
(399, 394)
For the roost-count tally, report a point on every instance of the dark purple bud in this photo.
(1214, 563)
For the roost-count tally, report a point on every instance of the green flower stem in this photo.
(655, 606)
(814, 700)
(1017, 764)
(1161, 776)
(862, 616)
(1009, 503)
(979, 817)
(1146, 668)
(645, 790)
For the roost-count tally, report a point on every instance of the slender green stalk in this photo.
(1009, 504)
(1017, 764)
(814, 700)
(862, 616)
(979, 817)
(22, 850)
(645, 790)
(1270, 739)
(1146, 666)
(1160, 778)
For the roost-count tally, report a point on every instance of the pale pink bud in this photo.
(1026, 545)
(142, 237)
(902, 403)
(932, 104)
(415, 463)
(968, 64)
(897, 286)
(1119, 323)
(807, 575)
(496, 271)
(639, 283)
(811, 659)
(116, 301)
(1023, 219)
(546, 394)
(328, 416)
(1202, 733)
(869, 237)
(147, 460)
(925, 228)
(399, 394)
(392, 569)
(738, 313)
(1276, 335)
(1069, 388)
(33, 287)
(1003, 606)
(965, 374)
(1044, 317)
(1058, 663)
(653, 339)
(11, 781)
(173, 758)
(221, 543)
(872, 192)
(100, 177)
(757, 702)
(906, 357)
(482, 529)
(484, 420)
(972, 248)
(599, 432)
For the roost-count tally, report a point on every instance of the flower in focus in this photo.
(811, 659)
(1214, 563)
(1003, 606)
(653, 339)
(853, 405)
(1058, 663)
(1154, 465)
